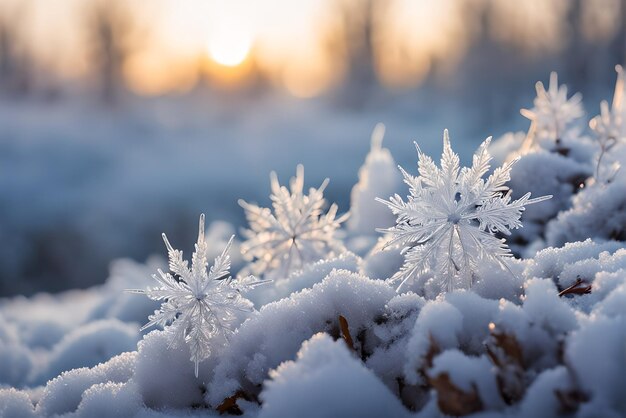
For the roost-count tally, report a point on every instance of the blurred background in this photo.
(120, 120)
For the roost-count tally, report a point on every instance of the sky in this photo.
(300, 46)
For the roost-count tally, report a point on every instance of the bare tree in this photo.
(15, 61)
(355, 45)
(109, 28)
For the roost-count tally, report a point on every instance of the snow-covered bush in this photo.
(599, 210)
(544, 336)
(555, 159)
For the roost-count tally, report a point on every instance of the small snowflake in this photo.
(553, 112)
(448, 223)
(297, 233)
(198, 305)
(608, 126)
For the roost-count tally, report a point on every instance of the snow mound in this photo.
(378, 176)
(327, 380)
(303, 279)
(275, 333)
(64, 393)
(91, 344)
(14, 403)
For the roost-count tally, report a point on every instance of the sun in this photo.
(229, 45)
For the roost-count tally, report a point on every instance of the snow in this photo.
(275, 333)
(321, 383)
(469, 373)
(596, 355)
(302, 279)
(64, 393)
(597, 212)
(335, 337)
(16, 365)
(540, 398)
(91, 344)
(378, 176)
(163, 374)
(427, 332)
(387, 358)
(551, 262)
(109, 400)
(14, 403)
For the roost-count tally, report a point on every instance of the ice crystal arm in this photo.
(199, 306)
(609, 128)
(449, 220)
(296, 232)
(553, 113)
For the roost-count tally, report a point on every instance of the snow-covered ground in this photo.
(83, 185)
(543, 335)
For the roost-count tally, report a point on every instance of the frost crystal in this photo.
(608, 125)
(198, 305)
(448, 222)
(553, 112)
(296, 233)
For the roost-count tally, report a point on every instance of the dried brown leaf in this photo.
(510, 347)
(345, 332)
(506, 354)
(454, 401)
(570, 400)
(433, 351)
(229, 405)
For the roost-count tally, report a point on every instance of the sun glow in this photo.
(229, 46)
(229, 37)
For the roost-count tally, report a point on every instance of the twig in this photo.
(578, 288)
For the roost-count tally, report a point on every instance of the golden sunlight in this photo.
(229, 44)
(304, 47)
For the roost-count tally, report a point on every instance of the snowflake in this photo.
(198, 305)
(448, 222)
(608, 125)
(295, 234)
(553, 112)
